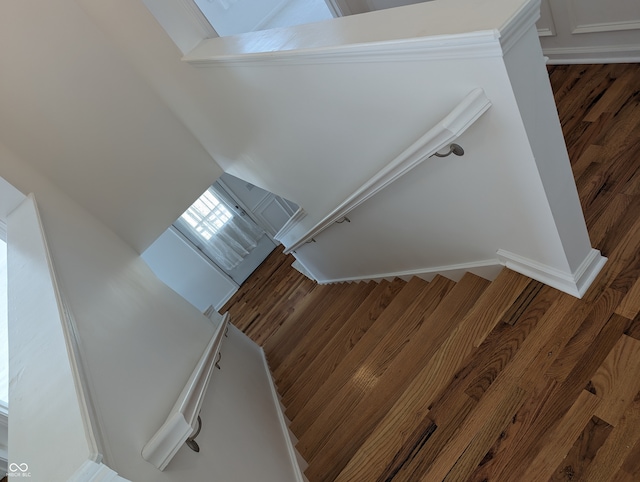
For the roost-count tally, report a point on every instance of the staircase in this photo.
(431, 381)
(503, 381)
(358, 365)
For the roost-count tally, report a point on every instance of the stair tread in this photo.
(256, 282)
(320, 333)
(411, 408)
(350, 394)
(436, 327)
(317, 372)
(294, 327)
(250, 314)
(347, 368)
(273, 319)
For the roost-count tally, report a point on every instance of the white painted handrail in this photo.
(442, 134)
(182, 419)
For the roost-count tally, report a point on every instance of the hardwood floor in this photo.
(476, 381)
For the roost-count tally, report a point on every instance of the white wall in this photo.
(373, 97)
(269, 211)
(241, 439)
(571, 31)
(47, 429)
(177, 263)
(140, 339)
(588, 31)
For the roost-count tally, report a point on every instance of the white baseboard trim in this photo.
(593, 55)
(91, 471)
(575, 284)
(297, 264)
(487, 269)
(293, 453)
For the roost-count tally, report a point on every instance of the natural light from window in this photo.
(207, 215)
(4, 341)
(231, 17)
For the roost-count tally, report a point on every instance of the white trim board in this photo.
(91, 419)
(470, 45)
(575, 284)
(91, 471)
(593, 55)
(292, 222)
(487, 269)
(283, 422)
(519, 25)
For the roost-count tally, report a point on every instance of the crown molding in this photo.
(519, 24)
(471, 45)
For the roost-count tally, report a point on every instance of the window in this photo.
(224, 236)
(207, 215)
(230, 17)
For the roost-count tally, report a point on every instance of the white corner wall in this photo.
(177, 263)
(47, 429)
(139, 339)
(380, 83)
(241, 437)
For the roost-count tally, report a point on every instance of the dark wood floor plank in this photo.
(543, 411)
(634, 328)
(609, 218)
(618, 445)
(631, 465)
(493, 421)
(615, 96)
(617, 380)
(559, 441)
(451, 408)
(583, 339)
(522, 303)
(629, 307)
(582, 452)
